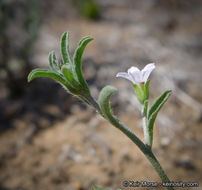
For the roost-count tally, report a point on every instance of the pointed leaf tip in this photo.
(77, 61)
(44, 73)
(53, 75)
(36, 73)
(154, 110)
(159, 102)
(65, 48)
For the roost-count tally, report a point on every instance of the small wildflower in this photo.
(136, 76)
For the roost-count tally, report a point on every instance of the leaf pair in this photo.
(154, 110)
(70, 73)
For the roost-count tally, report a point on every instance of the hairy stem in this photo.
(145, 130)
(146, 150)
(144, 124)
(94, 103)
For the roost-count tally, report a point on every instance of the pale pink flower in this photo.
(136, 76)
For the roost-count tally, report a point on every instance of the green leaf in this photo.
(65, 49)
(153, 111)
(50, 74)
(159, 102)
(78, 61)
(54, 65)
(104, 101)
(98, 188)
(66, 71)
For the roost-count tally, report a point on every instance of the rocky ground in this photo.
(57, 142)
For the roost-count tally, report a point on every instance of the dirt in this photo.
(85, 150)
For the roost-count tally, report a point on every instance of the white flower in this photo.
(136, 76)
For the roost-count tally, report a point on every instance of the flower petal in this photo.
(137, 76)
(133, 69)
(125, 75)
(147, 71)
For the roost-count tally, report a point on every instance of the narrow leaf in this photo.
(104, 101)
(78, 60)
(159, 102)
(65, 49)
(66, 71)
(155, 108)
(54, 65)
(50, 74)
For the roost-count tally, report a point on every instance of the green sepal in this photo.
(146, 89)
(142, 91)
(65, 49)
(54, 65)
(50, 74)
(153, 112)
(104, 101)
(78, 61)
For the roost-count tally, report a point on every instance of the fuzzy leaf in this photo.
(50, 74)
(54, 65)
(104, 101)
(78, 60)
(65, 49)
(66, 71)
(159, 102)
(153, 111)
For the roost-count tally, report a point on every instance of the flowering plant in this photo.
(70, 76)
(141, 86)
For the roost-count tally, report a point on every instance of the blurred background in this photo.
(50, 140)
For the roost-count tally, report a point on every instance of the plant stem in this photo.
(145, 130)
(146, 150)
(144, 124)
(94, 103)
